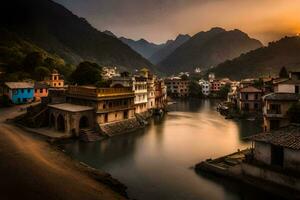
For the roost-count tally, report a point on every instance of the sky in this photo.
(161, 20)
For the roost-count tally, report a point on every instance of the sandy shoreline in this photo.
(30, 168)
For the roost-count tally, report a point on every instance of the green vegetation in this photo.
(87, 73)
(222, 93)
(195, 89)
(49, 26)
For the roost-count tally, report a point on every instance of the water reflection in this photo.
(155, 163)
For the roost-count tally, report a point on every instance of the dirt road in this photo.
(31, 169)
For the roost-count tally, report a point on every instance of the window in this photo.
(24, 100)
(256, 96)
(41, 90)
(28, 90)
(22, 91)
(297, 89)
(116, 115)
(59, 83)
(35, 90)
(54, 84)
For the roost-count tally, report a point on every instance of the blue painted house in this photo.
(19, 92)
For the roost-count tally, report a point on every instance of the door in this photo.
(277, 155)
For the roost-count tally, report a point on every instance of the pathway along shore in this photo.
(32, 169)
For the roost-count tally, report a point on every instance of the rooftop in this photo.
(288, 137)
(290, 82)
(282, 96)
(17, 85)
(250, 89)
(38, 85)
(71, 107)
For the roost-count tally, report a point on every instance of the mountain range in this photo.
(53, 28)
(168, 48)
(142, 46)
(263, 61)
(208, 49)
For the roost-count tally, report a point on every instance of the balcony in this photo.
(274, 114)
(94, 92)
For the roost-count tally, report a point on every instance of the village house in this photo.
(160, 94)
(107, 110)
(55, 80)
(150, 87)
(19, 92)
(215, 86)
(177, 87)
(205, 86)
(277, 104)
(249, 99)
(40, 90)
(141, 94)
(276, 157)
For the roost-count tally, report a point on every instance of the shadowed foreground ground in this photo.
(31, 169)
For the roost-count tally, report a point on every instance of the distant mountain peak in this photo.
(107, 32)
(208, 48)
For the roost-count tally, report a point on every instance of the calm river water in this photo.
(156, 163)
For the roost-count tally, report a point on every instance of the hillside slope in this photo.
(207, 49)
(170, 46)
(58, 31)
(263, 61)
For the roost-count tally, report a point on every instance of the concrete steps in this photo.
(89, 135)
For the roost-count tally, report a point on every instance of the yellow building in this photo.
(55, 80)
(110, 104)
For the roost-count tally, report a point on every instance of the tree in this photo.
(184, 77)
(87, 73)
(258, 83)
(41, 72)
(294, 113)
(32, 60)
(223, 92)
(283, 73)
(195, 89)
(125, 74)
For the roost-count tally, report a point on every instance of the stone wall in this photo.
(292, 159)
(272, 176)
(262, 152)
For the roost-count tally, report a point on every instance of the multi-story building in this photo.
(141, 94)
(205, 85)
(40, 90)
(92, 107)
(215, 85)
(277, 104)
(249, 99)
(177, 87)
(160, 94)
(19, 92)
(55, 80)
(150, 87)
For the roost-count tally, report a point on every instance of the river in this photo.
(156, 163)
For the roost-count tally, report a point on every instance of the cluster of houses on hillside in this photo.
(73, 109)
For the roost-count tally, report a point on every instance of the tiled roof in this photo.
(17, 85)
(288, 137)
(250, 89)
(282, 96)
(291, 82)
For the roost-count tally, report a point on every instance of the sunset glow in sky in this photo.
(160, 20)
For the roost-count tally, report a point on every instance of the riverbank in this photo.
(230, 167)
(30, 168)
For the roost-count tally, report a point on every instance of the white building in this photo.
(141, 94)
(205, 87)
(109, 72)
